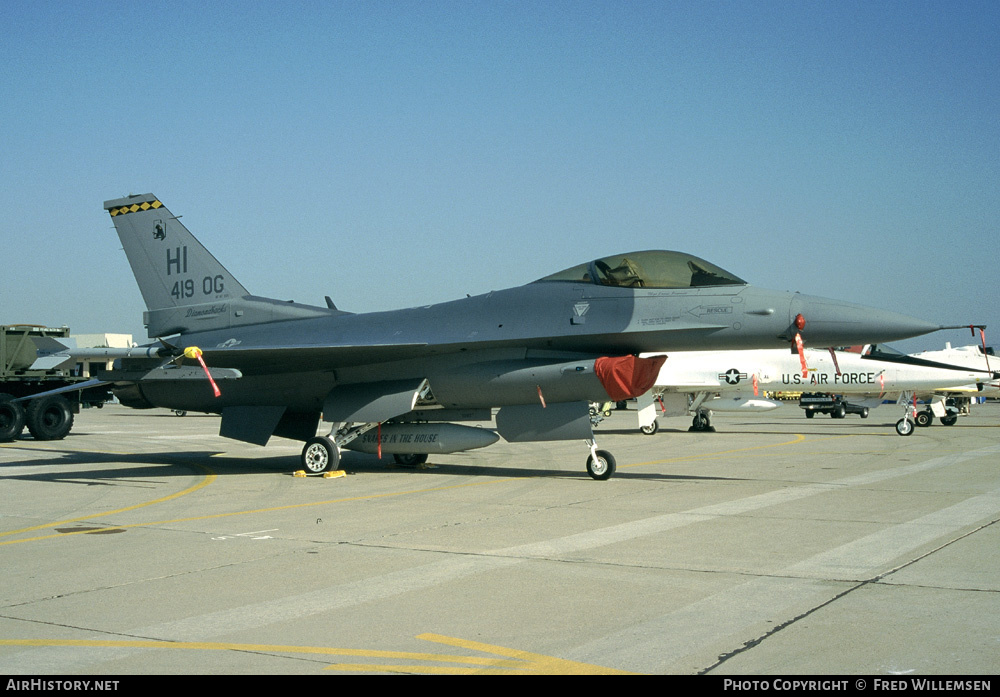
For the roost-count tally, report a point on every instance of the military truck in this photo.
(47, 418)
(833, 404)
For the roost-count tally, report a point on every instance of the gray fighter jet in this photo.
(396, 381)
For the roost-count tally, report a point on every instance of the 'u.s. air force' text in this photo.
(828, 379)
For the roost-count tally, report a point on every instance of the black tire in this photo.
(11, 418)
(924, 418)
(410, 459)
(949, 420)
(320, 454)
(905, 427)
(603, 468)
(840, 412)
(49, 418)
(701, 424)
(651, 429)
(810, 413)
(864, 413)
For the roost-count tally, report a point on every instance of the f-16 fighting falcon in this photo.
(396, 381)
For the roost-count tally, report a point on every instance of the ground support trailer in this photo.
(47, 418)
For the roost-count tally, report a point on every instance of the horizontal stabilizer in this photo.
(250, 424)
(256, 424)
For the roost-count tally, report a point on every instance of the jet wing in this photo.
(922, 362)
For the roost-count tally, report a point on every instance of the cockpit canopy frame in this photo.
(648, 269)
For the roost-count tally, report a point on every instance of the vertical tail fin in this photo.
(186, 289)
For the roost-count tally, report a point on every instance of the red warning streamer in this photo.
(982, 336)
(833, 355)
(195, 353)
(802, 355)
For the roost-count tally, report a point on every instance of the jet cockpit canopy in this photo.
(649, 269)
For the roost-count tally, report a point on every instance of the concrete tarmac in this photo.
(144, 543)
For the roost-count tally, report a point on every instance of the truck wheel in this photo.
(11, 418)
(49, 418)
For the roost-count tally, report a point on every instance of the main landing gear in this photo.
(410, 459)
(913, 418)
(701, 423)
(926, 417)
(322, 453)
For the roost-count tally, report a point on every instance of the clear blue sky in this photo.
(391, 154)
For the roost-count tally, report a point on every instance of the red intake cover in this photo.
(628, 376)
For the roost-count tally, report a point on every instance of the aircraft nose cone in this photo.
(835, 323)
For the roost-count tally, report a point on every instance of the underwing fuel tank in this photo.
(430, 438)
(740, 403)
